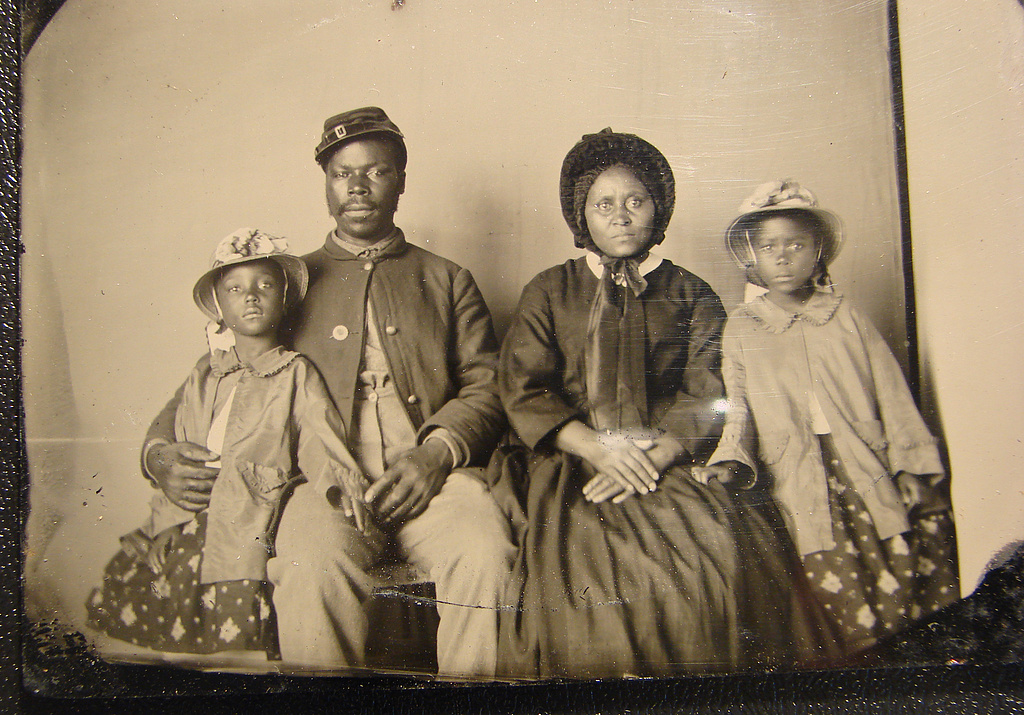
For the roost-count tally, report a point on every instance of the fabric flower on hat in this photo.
(779, 194)
(248, 242)
(242, 246)
(785, 196)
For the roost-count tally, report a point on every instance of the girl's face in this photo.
(251, 298)
(786, 254)
(619, 213)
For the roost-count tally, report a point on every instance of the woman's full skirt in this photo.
(687, 578)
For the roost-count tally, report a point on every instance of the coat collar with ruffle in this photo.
(818, 310)
(225, 362)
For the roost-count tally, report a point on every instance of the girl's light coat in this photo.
(775, 363)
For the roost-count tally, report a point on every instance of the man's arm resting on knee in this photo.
(177, 468)
(405, 489)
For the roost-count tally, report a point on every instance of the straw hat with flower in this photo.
(243, 246)
(777, 198)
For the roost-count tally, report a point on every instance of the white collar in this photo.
(649, 264)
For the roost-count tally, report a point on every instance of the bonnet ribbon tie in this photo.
(218, 337)
(626, 272)
(616, 344)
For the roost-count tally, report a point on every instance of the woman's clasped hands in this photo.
(627, 462)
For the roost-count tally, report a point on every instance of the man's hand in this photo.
(404, 490)
(179, 469)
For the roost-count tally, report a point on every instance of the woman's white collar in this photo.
(650, 263)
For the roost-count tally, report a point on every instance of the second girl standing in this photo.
(817, 397)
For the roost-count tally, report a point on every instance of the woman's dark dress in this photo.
(686, 578)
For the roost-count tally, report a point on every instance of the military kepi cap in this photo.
(356, 123)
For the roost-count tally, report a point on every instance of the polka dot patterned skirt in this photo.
(873, 587)
(167, 609)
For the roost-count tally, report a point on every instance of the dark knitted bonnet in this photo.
(596, 152)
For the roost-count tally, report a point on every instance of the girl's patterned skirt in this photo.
(871, 586)
(151, 596)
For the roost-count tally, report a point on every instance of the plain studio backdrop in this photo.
(152, 129)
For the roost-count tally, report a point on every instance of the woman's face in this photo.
(619, 213)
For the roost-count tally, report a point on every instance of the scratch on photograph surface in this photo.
(747, 17)
(1007, 329)
(866, 6)
(322, 22)
(971, 179)
(426, 601)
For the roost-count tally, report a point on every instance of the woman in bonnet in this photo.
(610, 377)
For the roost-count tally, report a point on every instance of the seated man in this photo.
(405, 344)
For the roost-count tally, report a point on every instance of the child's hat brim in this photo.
(736, 236)
(293, 266)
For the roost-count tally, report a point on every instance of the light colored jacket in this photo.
(282, 428)
(775, 365)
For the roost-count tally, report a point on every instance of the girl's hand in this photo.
(349, 498)
(921, 492)
(726, 473)
(157, 555)
(910, 489)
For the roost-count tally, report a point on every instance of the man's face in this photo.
(363, 185)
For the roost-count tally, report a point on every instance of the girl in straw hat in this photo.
(609, 374)
(193, 577)
(819, 409)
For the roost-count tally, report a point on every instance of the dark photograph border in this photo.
(978, 638)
